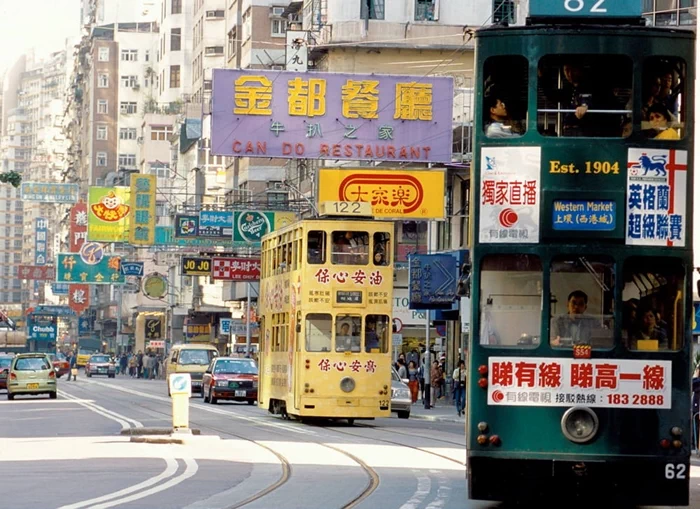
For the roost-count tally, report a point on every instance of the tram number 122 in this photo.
(578, 5)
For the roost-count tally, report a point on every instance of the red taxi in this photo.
(60, 364)
(231, 378)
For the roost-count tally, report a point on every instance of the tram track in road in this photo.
(373, 476)
(394, 432)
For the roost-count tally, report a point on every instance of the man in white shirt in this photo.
(498, 113)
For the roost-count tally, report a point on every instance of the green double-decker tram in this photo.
(582, 180)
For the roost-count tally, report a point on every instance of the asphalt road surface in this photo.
(71, 453)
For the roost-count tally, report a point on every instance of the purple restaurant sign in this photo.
(331, 116)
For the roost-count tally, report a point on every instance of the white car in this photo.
(400, 396)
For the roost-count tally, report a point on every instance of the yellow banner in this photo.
(393, 193)
(108, 214)
(142, 217)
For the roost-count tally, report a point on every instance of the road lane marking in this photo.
(422, 491)
(170, 469)
(124, 421)
(443, 492)
(212, 409)
(191, 468)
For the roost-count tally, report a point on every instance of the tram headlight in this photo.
(579, 424)
(347, 384)
(676, 431)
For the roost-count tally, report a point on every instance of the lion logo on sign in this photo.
(654, 164)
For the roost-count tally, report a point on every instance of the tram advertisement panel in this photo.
(510, 195)
(609, 383)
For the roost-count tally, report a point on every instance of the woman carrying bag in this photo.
(459, 381)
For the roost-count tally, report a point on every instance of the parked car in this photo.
(231, 378)
(60, 364)
(31, 374)
(100, 364)
(400, 396)
(5, 361)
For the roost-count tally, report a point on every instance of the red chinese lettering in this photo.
(582, 375)
(322, 276)
(606, 376)
(370, 366)
(355, 366)
(653, 378)
(376, 278)
(516, 193)
(324, 364)
(340, 366)
(501, 193)
(525, 374)
(340, 277)
(550, 375)
(359, 277)
(530, 192)
(488, 193)
(502, 374)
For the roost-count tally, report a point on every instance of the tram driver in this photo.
(575, 327)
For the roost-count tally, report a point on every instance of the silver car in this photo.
(400, 396)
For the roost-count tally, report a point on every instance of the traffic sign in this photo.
(397, 339)
(432, 281)
(397, 325)
(180, 383)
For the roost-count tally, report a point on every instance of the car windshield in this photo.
(84, 351)
(196, 357)
(99, 358)
(395, 376)
(60, 356)
(231, 366)
(5, 362)
(31, 364)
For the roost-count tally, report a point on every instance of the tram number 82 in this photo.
(578, 5)
(675, 471)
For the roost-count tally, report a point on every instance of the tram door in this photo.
(295, 362)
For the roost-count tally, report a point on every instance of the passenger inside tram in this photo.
(574, 327)
(648, 334)
(347, 336)
(499, 124)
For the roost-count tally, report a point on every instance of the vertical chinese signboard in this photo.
(78, 226)
(108, 214)
(40, 249)
(331, 115)
(79, 298)
(509, 198)
(656, 194)
(142, 231)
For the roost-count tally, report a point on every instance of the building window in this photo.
(503, 10)
(102, 132)
(160, 170)
(215, 14)
(214, 50)
(246, 23)
(161, 132)
(130, 81)
(176, 7)
(232, 42)
(175, 37)
(146, 56)
(207, 85)
(127, 108)
(372, 9)
(174, 76)
(127, 133)
(426, 10)
(278, 25)
(103, 54)
(102, 106)
(127, 160)
(101, 159)
(103, 80)
(130, 55)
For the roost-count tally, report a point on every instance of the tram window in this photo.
(316, 247)
(510, 301)
(653, 301)
(377, 329)
(347, 333)
(382, 249)
(505, 96)
(350, 248)
(319, 329)
(582, 295)
(663, 104)
(584, 95)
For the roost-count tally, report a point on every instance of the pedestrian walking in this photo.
(123, 363)
(133, 363)
(435, 381)
(139, 364)
(459, 378)
(403, 373)
(413, 381)
(73, 368)
(146, 365)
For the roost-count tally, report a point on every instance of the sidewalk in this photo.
(442, 412)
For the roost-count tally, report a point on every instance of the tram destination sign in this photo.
(584, 215)
(586, 8)
(606, 383)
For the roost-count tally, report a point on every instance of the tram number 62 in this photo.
(578, 5)
(675, 471)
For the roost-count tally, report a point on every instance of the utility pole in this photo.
(247, 320)
(426, 363)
